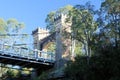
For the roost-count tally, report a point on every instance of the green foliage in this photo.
(50, 22)
(105, 44)
(103, 67)
(14, 74)
(51, 47)
(50, 17)
(12, 26)
(76, 70)
(109, 21)
(3, 24)
(104, 64)
(43, 76)
(78, 48)
(83, 25)
(26, 71)
(11, 74)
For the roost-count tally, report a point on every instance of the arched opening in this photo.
(50, 47)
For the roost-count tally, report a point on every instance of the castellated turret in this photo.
(38, 35)
(63, 44)
(61, 23)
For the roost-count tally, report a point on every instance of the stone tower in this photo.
(63, 44)
(38, 35)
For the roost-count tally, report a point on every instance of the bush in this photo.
(106, 66)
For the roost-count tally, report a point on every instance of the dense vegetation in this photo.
(103, 56)
(103, 67)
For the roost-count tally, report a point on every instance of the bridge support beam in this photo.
(59, 50)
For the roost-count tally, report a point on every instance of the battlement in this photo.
(58, 17)
(40, 31)
(38, 35)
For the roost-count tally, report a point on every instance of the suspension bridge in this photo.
(26, 57)
(39, 57)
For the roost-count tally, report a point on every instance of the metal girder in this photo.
(19, 55)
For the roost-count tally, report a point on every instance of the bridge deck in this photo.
(25, 57)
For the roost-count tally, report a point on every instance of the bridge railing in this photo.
(41, 55)
(22, 52)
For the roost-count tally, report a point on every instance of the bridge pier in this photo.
(59, 50)
(34, 74)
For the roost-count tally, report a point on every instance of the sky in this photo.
(34, 12)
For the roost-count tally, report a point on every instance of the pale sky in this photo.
(34, 12)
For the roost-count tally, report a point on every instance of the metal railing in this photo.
(25, 53)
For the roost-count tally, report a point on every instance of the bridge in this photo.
(25, 57)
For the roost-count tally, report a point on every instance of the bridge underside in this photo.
(25, 62)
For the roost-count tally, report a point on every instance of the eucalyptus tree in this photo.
(10, 31)
(2, 25)
(51, 16)
(83, 25)
(110, 23)
(15, 27)
(107, 63)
